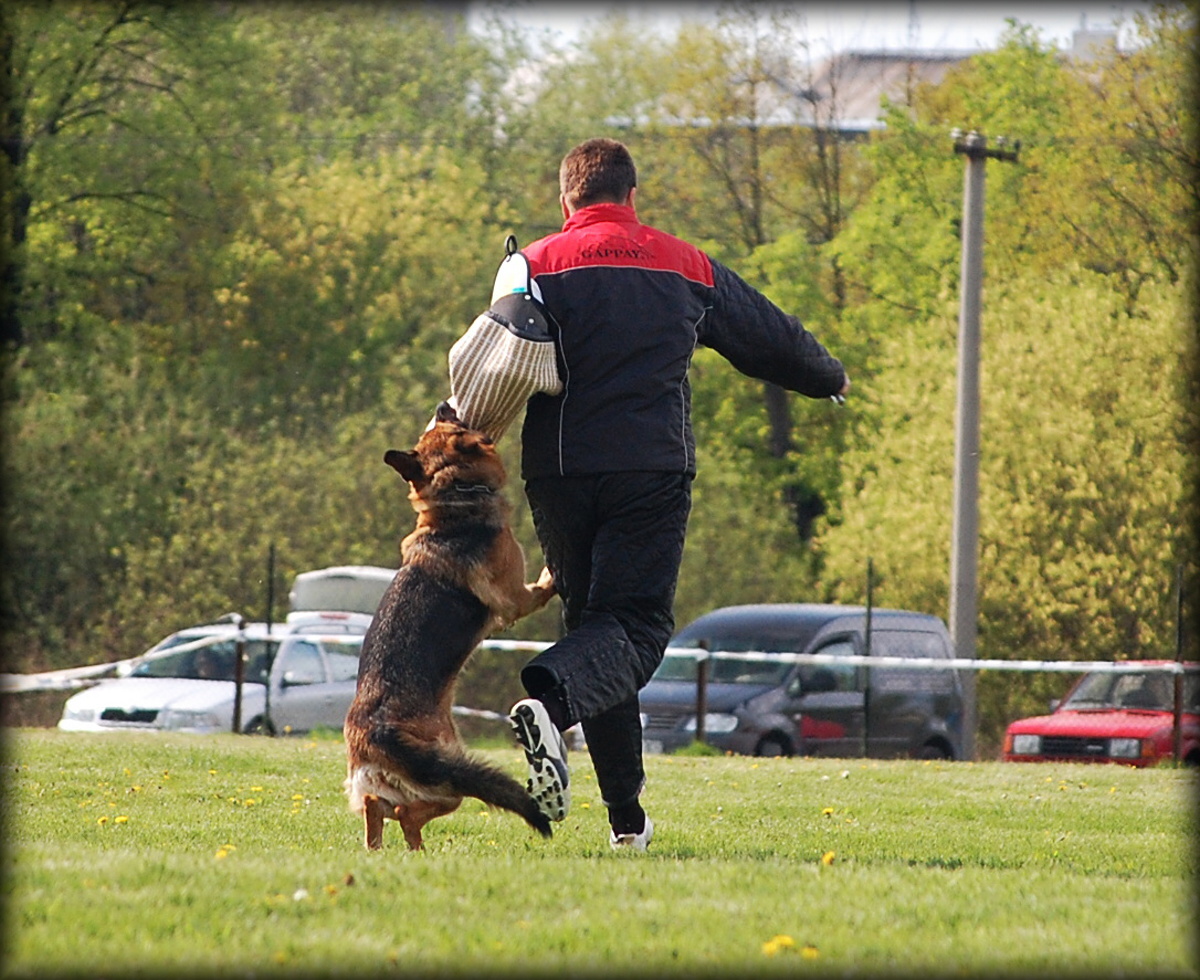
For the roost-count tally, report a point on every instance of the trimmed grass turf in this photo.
(169, 854)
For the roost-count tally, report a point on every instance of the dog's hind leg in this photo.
(375, 811)
(414, 816)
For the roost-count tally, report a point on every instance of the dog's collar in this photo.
(447, 497)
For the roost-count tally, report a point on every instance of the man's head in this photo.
(597, 171)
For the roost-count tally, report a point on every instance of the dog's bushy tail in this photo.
(465, 775)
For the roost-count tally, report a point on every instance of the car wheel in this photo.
(259, 726)
(932, 750)
(772, 745)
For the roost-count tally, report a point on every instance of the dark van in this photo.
(773, 707)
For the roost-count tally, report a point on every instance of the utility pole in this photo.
(964, 550)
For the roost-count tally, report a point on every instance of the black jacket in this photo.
(630, 304)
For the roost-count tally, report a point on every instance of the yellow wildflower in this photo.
(777, 944)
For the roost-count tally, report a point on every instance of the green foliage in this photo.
(340, 269)
(188, 855)
(696, 749)
(241, 238)
(128, 159)
(1123, 189)
(354, 80)
(1085, 499)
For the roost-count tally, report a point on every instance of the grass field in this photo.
(176, 855)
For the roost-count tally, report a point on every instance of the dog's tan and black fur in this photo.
(462, 577)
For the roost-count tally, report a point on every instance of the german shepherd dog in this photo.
(462, 576)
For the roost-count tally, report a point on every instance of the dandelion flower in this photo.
(810, 952)
(777, 944)
(102, 821)
(827, 812)
(122, 819)
(827, 858)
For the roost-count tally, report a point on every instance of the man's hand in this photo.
(840, 397)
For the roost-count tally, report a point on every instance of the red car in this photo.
(1122, 717)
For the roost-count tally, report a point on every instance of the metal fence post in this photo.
(239, 672)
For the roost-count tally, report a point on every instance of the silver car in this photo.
(295, 679)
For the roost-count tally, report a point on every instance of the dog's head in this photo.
(449, 456)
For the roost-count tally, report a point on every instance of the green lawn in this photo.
(178, 854)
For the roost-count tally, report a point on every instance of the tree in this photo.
(116, 117)
(1121, 183)
(341, 270)
(160, 206)
(734, 108)
(1084, 507)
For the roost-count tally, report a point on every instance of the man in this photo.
(608, 461)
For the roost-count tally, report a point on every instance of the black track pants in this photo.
(614, 542)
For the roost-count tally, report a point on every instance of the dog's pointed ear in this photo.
(446, 413)
(408, 465)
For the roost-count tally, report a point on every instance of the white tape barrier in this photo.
(952, 663)
(77, 677)
(74, 678)
(919, 663)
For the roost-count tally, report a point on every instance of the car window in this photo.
(725, 671)
(343, 659)
(1091, 691)
(1154, 691)
(677, 667)
(302, 664)
(212, 662)
(681, 667)
(823, 678)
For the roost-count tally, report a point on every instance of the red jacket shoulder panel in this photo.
(610, 235)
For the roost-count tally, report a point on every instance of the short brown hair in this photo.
(597, 170)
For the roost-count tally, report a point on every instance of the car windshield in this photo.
(1151, 690)
(682, 667)
(213, 662)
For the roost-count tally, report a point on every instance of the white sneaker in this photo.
(546, 753)
(632, 842)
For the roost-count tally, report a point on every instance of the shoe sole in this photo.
(546, 784)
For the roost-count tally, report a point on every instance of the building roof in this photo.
(847, 89)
